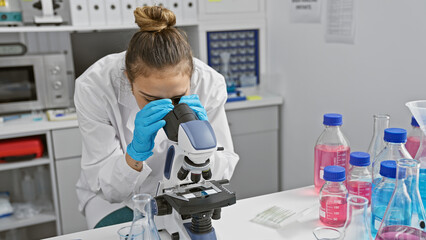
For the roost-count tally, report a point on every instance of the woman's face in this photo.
(166, 83)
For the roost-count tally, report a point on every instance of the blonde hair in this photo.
(158, 44)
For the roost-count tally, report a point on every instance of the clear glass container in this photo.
(395, 139)
(332, 148)
(405, 215)
(418, 109)
(359, 176)
(421, 156)
(382, 194)
(356, 226)
(143, 218)
(413, 138)
(381, 122)
(333, 196)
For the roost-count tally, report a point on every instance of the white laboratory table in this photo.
(235, 222)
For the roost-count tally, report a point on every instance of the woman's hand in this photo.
(194, 103)
(147, 123)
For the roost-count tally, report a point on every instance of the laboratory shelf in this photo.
(14, 222)
(24, 164)
(69, 28)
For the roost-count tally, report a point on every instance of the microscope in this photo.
(187, 200)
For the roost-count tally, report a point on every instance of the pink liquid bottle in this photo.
(333, 197)
(359, 176)
(413, 138)
(332, 148)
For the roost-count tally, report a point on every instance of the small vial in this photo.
(359, 175)
(382, 194)
(333, 197)
(413, 138)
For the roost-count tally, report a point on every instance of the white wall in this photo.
(385, 68)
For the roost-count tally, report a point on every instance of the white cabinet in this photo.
(67, 148)
(231, 9)
(68, 172)
(255, 136)
(47, 222)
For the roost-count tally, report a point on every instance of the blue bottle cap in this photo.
(334, 174)
(360, 159)
(414, 123)
(332, 119)
(395, 135)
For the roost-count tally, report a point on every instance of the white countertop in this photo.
(235, 221)
(26, 125)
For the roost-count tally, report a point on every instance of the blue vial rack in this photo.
(243, 47)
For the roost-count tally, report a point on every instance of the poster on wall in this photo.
(340, 25)
(305, 11)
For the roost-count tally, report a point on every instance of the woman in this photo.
(121, 100)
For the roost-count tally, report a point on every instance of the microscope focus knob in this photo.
(207, 174)
(216, 213)
(195, 177)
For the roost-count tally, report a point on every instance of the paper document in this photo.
(305, 11)
(340, 27)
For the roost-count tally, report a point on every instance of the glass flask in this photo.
(143, 219)
(382, 194)
(359, 176)
(421, 156)
(394, 150)
(413, 138)
(405, 216)
(333, 197)
(381, 122)
(356, 226)
(332, 148)
(418, 109)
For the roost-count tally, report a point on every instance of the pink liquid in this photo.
(359, 188)
(333, 211)
(400, 233)
(326, 155)
(412, 145)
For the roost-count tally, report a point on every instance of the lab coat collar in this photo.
(126, 99)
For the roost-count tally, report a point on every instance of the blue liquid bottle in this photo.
(382, 194)
(395, 139)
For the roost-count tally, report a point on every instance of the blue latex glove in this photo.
(194, 103)
(147, 123)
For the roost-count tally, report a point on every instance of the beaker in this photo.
(143, 218)
(356, 226)
(327, 233)
(381, 122)
(405, 216)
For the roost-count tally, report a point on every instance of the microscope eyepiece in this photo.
(181, 113)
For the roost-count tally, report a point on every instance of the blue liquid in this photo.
(380, 199)
(422, 186)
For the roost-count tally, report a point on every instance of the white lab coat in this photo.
(106, 111)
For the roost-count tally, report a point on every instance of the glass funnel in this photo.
(143, 225)
(381, 122)
(405, 216)
(356, 226)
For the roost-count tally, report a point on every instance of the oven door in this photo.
(21, 85)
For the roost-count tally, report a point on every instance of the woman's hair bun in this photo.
(154, 18)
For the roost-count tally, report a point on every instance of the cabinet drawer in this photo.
(66, 143)
(243, 121)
